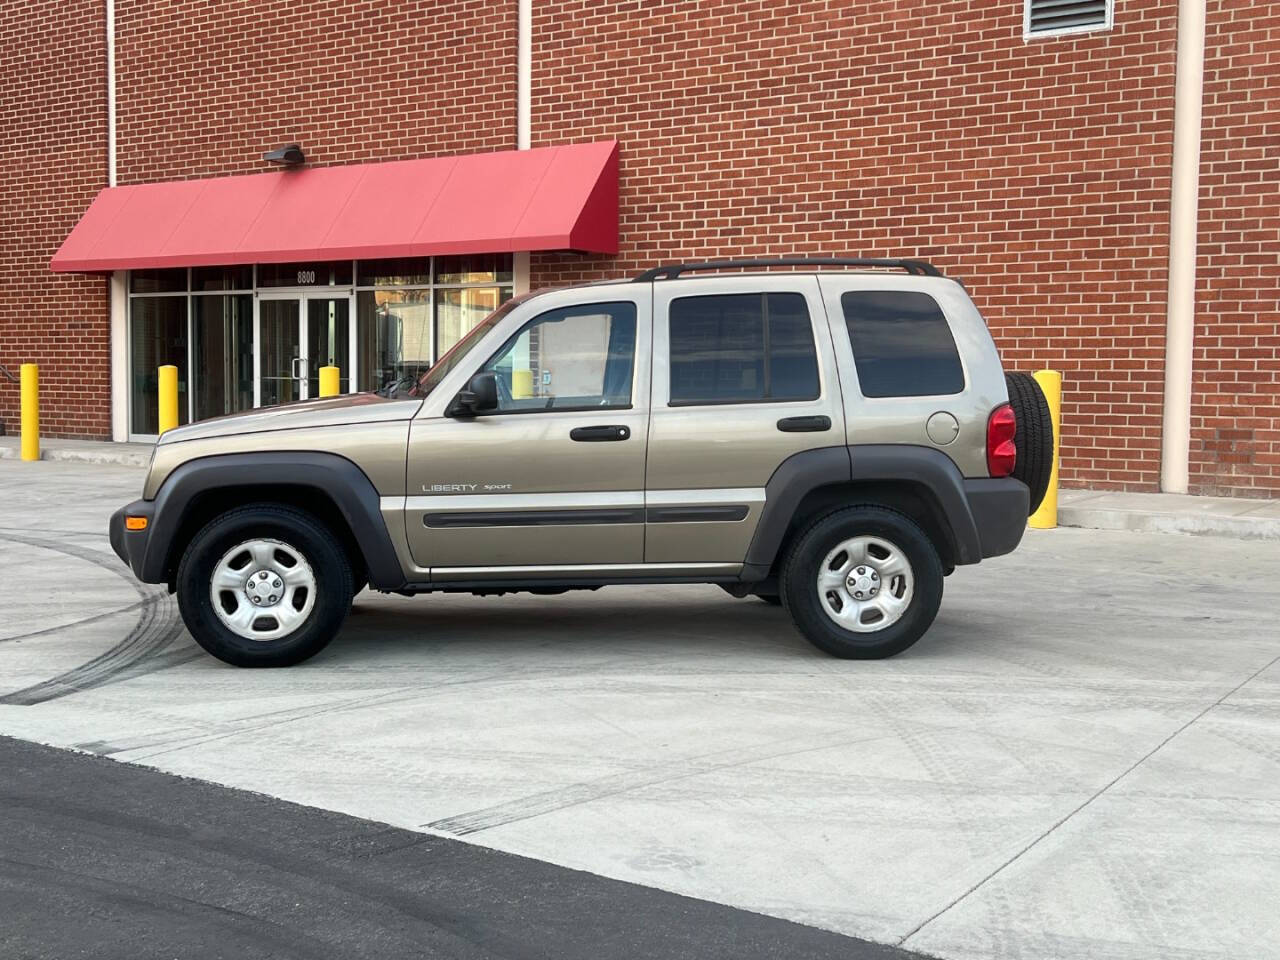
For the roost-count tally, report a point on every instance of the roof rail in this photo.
(920, 268)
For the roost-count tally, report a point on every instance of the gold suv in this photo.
(835, 437)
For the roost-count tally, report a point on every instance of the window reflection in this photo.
(394, 329)
(223, 341)
(459, 310)
(475, 268)
(158, 336)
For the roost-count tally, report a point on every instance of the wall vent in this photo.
(1066, 16)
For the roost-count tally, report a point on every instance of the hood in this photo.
(330, 411)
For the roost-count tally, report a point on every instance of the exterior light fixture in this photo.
(287, 156)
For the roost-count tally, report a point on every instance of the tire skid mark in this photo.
(157, 626)
(74, 623)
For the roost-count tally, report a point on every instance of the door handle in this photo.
(600, 434)
(804, 424)
(298, 368)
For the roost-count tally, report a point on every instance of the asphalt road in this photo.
(105, 860)
(1079, 759)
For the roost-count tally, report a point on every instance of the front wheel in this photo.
(264, 586)
(862, 583)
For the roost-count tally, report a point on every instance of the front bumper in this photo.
(999, 507)
(131, 545)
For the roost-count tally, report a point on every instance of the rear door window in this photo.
(902, 344)
(742, 348)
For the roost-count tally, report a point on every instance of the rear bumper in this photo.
(131, 545)
(999, 508)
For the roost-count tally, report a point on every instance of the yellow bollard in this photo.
(168, 397)
(329, 377)
(521, 384)
(1046, 517)
(30, 391)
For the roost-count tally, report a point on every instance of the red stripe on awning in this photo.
(552, 198)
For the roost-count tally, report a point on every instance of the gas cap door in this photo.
(942, 428)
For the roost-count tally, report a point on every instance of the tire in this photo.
(910, 564)
(311, 606)
(1034, 436)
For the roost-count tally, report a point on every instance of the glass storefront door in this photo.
(282, 375)
(328, 341)
(296, 337)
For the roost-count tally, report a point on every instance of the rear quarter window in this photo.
(902, 344)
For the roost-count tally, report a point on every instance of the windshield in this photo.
(431, 379)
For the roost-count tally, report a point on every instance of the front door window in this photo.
(574, 358)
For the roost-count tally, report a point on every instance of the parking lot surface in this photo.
(1079, 760)
(110, 860)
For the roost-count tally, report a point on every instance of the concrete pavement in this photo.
(1078, 760)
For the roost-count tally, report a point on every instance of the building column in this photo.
(1175, 447)
(524, 73)
(119, 356)
(524, 108)
(118, 297)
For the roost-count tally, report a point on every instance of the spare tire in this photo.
(1034, 436)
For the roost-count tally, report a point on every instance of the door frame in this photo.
(301, 295)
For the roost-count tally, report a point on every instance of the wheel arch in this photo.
(332, 488)
(920, 482)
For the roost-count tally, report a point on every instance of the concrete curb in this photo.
(1168, 513)
(113, 454)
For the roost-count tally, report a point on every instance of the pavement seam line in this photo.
(1107, 786)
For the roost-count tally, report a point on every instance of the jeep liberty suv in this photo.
(833, 440)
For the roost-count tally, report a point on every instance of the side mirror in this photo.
(480, 393)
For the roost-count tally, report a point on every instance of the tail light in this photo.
(1002, 452)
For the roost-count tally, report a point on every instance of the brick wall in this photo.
(205, 89)
(1038, 172)
(52, 164)
(1235, 428)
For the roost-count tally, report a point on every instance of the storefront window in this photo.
(394, 328)
(238, 343)
(459, 310)
(158, 281)
(221, 278)
(158, 336)
(223, 340)
(475, 268)
(402, 272)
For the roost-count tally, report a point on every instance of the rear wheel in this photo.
(264, 586)
(862, 583)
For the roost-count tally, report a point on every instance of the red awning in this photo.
(553, 198)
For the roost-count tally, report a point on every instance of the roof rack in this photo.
(919, 268)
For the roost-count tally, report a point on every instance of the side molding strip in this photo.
(534, 518)
(708, 514)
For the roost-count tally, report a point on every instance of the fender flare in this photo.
(804, 472)
(336, 477)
